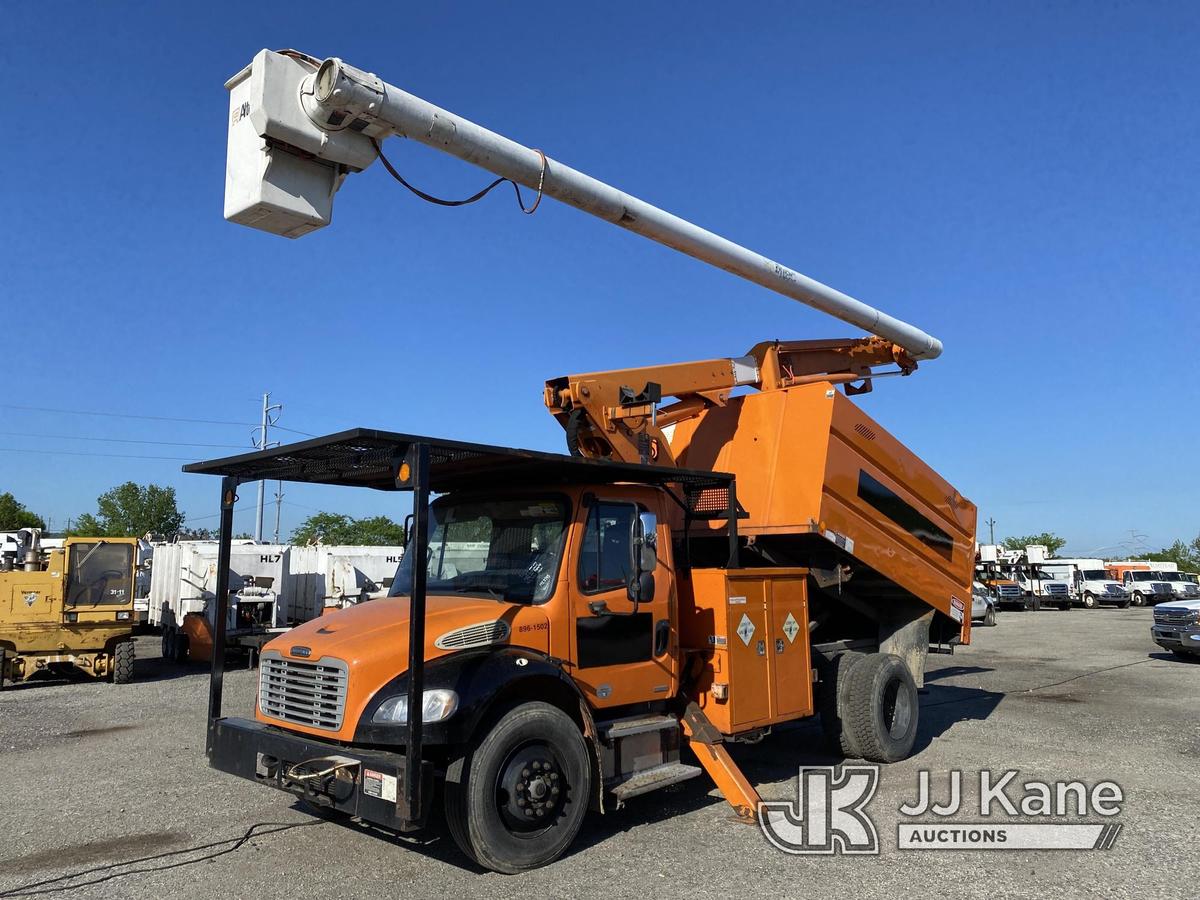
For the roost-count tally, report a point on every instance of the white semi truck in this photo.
(1089, 582)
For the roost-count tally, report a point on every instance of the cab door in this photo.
(623, 651)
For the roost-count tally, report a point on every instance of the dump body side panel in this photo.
(809, 462)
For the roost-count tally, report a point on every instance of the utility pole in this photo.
(278, 504)
(261, 443)
(991, 524)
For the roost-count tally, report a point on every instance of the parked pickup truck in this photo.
(1177, 627)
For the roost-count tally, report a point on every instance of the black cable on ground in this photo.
(54, 885)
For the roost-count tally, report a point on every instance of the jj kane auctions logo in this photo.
(830, 814)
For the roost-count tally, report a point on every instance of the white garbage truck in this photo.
(273, 587)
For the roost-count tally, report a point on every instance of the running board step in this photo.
(653, 779)
(623, 728)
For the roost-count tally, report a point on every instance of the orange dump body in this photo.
(811, 465)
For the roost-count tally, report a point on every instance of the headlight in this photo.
(122, 615)
(438, 704)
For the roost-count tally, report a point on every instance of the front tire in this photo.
(518, 797)
(1089, 601)
(122, 671)
(989, 617)
(1139, 600)
(883, 708)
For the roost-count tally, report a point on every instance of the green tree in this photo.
(1186, 556)
(14, 515)
(335, 528)
(1052, 542)
(131, 510)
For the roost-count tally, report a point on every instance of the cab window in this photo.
(100, 573)
(604, 555)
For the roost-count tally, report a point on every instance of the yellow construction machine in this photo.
(68, 608)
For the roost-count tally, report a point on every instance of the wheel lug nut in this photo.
(525, 773)
(553, 790)
(541, 813)
(520, 801)
(529, 812)
(537, 765)
(554, 776)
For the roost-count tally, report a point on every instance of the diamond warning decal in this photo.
(791, 628)
(745, 629)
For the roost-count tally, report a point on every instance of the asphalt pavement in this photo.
(104, 792)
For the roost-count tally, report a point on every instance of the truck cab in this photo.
(1049, 591)
(1182, 587)
(1095, 586)
(1145, 586)
(564, 628)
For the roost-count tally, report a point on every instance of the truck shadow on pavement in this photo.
(771, 766)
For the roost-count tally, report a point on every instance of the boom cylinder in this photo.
(344, 95)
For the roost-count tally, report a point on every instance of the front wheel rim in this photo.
(531, 789)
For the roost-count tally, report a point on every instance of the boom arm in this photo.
(297, 127)
(616, 415)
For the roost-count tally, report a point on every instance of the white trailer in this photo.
(273, 587)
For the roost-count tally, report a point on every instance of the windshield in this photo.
(100, 573)
(1146, 576)
(504, 549)
(1094, 575)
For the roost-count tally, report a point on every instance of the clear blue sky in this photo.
(1019, 179)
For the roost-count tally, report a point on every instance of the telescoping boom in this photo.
(297, 127)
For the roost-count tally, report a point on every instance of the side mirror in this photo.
(643, 550)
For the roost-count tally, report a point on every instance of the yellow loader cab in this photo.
(67, 607)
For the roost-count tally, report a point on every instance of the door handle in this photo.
(662, 636)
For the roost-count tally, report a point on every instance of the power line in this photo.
(236, 509)
(112, 415)
(86, 453)
(75, 437)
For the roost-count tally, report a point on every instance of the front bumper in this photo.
(1177, 637)
(364, 783)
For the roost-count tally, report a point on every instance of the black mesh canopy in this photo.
(364, 457)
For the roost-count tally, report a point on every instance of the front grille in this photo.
(1008, 590)
(303, 692)
(1056, 588)
(1174, 616)
(473, 636)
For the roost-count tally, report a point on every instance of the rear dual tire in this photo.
(174, 646)
(871, 709)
